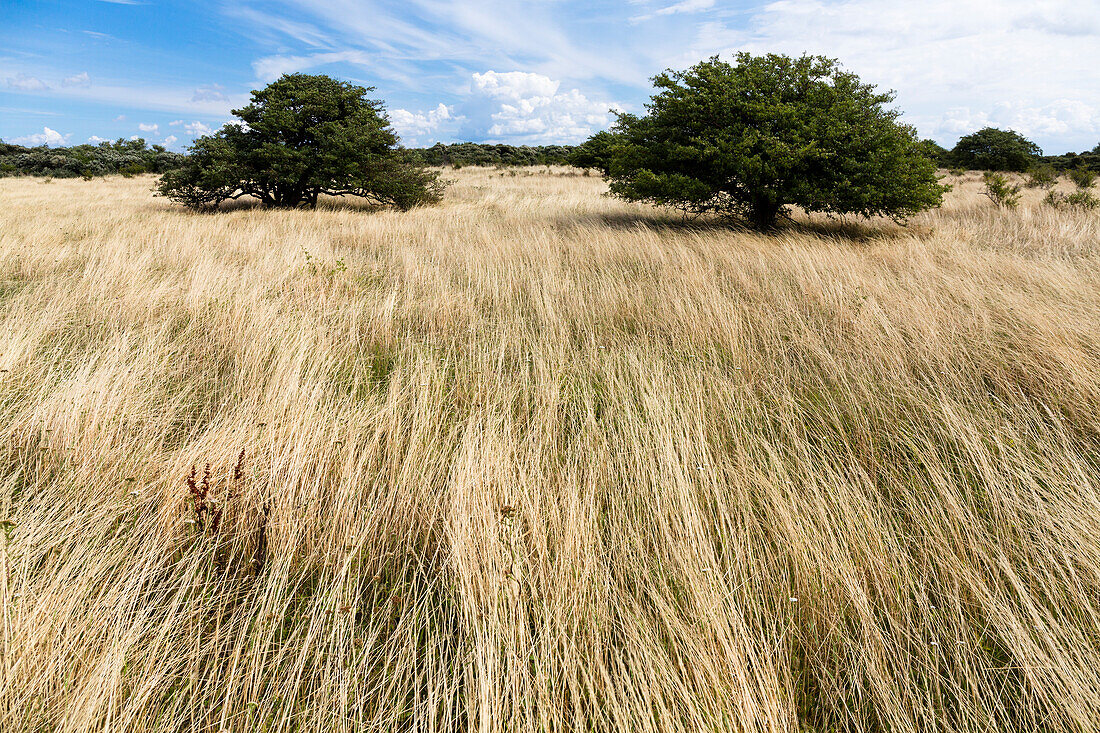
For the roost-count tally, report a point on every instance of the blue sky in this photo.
(530, 71)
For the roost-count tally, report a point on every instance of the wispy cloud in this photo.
(25, 83)
(76, 80)
(210, 93)
(687, 6)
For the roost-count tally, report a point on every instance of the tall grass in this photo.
(536, 460)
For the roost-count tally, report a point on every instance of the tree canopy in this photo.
(991, 149)
(753, 138)
(303, 136)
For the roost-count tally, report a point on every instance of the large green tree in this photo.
(301, 137)
(753, 138)
(990, 149)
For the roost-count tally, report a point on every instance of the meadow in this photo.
(539, 460)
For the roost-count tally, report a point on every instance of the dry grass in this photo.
(539, 460)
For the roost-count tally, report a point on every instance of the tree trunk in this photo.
(764, 214)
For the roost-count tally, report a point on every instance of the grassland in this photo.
(537, 460)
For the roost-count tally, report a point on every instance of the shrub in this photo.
(1000, 191)
(991, 149)
(1042, 176)
(753, 138)
(303, 136)
(1083, 178)
(1082, 199)
(131, 170)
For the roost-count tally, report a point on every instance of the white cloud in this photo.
(270, 68)
(96, 140)
(210, 93)
(48, 136)
(25, 83)
(120, 118)
(412, 127)
(197, 128)
(76, 80)
(524, 107)
(145, 127)
(687, 6)
(170, 139)
(515, 84)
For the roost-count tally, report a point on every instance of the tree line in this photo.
(133, 157)
(125, 157)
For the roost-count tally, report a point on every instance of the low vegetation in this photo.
(125, 157)
(540, 459)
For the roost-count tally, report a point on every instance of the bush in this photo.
(303, 136)
(1042, 176)
(991, 149)
(1082, 178)
(753, 138)
(1000, 191)
(1082, 199)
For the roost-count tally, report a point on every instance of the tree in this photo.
(753, 138)
(934, 151)
(300, 137)
(990, 149)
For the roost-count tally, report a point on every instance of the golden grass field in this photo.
(538, 460)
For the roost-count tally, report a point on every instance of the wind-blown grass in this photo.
(539, 460)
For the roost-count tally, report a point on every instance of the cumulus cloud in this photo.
(517, 107)
(415, 127)
(96, 140)
(514, 85)
(170, 139)
(25, 83)
(527, 107)
(145, 127)
(48, 136)
(76, 80)
(197, 128)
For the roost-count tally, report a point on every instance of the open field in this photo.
(537, 460)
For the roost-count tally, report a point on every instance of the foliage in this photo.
(458, 155)
(753, 138)
(1082, 199)
(1069, 161)
(936, 152)
(129, 157)
(303, 136)
(1042, 176)
(1001, 191)
(595, 152)
(1083, 178)
(991, 149)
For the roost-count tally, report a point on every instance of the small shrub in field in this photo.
(1083, 178)
(1043, 176)
(1000, 191)
(958, 172)
(1082, 199)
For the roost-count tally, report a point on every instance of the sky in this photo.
(530, 71)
